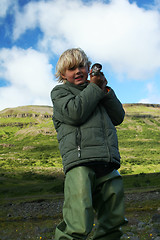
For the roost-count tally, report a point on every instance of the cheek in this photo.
(71, 75)
(85, 73)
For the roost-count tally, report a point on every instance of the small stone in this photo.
(134, 238)
(156, 230)
(156, 218)
(157, 238)
(141, 224)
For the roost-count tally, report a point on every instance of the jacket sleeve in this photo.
(113, 107)
(75, 109)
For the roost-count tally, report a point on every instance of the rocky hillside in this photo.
(27, 111)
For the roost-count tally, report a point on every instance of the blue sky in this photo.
(123, 35)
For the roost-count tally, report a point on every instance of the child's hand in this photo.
(99, 80)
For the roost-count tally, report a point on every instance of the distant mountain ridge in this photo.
(47, 111)
(28, 111)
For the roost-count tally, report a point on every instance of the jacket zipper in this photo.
(78, 139)
(79, 151)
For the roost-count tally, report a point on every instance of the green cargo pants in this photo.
(86, 199)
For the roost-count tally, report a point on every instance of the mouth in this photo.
(78, 78)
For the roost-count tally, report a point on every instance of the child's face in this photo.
(76, 75)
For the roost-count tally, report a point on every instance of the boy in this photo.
(85, 115)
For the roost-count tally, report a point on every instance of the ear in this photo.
(63, 76)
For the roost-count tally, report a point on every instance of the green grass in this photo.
(29, 154)
(144, 181)
(139, 140)
(42, 181)
(26, 181)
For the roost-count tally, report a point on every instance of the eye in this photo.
(72, 68)
(81, 65)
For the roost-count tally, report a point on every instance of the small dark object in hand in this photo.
(96, 69)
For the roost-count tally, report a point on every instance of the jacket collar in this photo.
(80, 87)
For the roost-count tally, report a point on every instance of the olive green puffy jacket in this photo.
(85, 118)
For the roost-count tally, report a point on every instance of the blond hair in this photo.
(71, 58)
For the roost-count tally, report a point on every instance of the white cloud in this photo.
(29, 75)
(26, 19)
(118, 33)
(151, 99)
(5, 5)
(152, 94)
(156, 5)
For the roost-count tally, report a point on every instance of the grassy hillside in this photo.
(139, 139)
(28, 138)
(29, 152)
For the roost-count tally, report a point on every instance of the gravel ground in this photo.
(42, 213)
(142, 196)
(50, 208)
(33, 210)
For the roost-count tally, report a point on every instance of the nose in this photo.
(78, 69)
